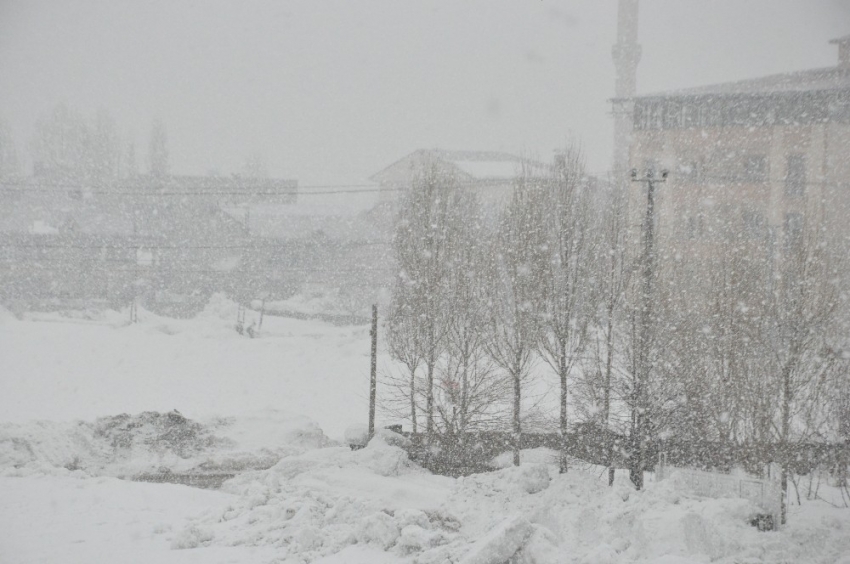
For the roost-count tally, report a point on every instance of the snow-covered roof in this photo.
(43, 213)
(476, 166)
(489, 169)
(826, 79)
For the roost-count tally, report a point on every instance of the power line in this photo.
(142, 246)
(324, 189)
(25, 188)
(159, 269)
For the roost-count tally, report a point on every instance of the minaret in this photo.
(626, 54)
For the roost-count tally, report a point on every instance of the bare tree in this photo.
(403, 339)
(420, 245)
(567, 278)
(471, 390)
(67, 145)
(9, 164)
(255, 167)
(515, 281)
(603, 371)
(800, 310)
(158, 150)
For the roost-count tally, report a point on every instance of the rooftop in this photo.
(476, 166)
(827, 79)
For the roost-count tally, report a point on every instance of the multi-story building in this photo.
(764, 159)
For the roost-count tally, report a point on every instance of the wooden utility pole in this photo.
(640, 391)
(373, 379)
(262, 312)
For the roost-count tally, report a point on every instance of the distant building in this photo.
(765, 158)
(490, 174)
(114, 239)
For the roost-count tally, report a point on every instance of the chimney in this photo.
(843, 51)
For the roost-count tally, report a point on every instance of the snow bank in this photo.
(126, 445)
(330, 504)
(322, 501)
(500, 544)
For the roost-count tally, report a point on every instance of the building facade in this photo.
(762, 159)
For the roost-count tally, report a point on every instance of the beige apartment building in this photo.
(764, 160)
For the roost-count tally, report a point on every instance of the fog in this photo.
(335, 91)
(478, 281)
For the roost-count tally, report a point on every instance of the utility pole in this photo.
(373, 380)
(640, 390)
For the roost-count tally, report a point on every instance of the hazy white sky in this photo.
(333, 91)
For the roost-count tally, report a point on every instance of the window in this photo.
(689, 171)
(690, 116)
(755, 226)
(795, 175)
(657, 120)
(793, 230)
(672, 116)
(695, 227)
(755, 168)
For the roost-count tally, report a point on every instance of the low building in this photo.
(112, 241)
(490, 174)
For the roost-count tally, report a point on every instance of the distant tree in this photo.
(800, 313)
(255, 167)
(471, 391)
(516, 279)
(158, 163)
(403, 332)
(9, 164)
(612, 278)
(568, 277)
(104, 160)
(131, 166)
(419, 245)
(68, 146)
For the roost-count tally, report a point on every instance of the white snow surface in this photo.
(316, 502)
(84, 365)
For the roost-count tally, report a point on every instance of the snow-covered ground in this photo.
(62, 368)
(272, 406)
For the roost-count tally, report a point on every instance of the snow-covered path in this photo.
(87, 520)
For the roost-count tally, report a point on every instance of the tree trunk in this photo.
(429, 399)
(517, 425)
(413, 400)
(606, 407)
(464, 390)
(785, 430)
(563, 464)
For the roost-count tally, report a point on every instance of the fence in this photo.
(765, 494)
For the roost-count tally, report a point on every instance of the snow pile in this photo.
(323, 501)
(127, 445)
(48, 447)
(315, 302)
(220, 307)
(320, 501)
(500, 544)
